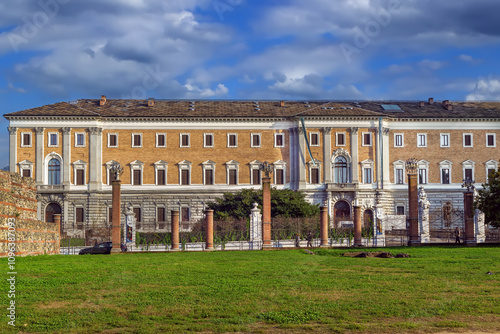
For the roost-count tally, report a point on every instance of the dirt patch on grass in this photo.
(53, 305)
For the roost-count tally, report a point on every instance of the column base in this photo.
(414, 243)
(470, 243)
(267, 246)
(209, 249)
(324, 246)
(116, 250)
(358, 245)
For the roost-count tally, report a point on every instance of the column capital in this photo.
(95, 131)
(12, 130)
(39, 130)
(66, 130)
(354, 130)
(385, 131)
(327, 130)
(300, 130)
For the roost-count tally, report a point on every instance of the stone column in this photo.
(324, 226)
(95, 163)
(209, 228)
(116, 212)
(302, 158)
(423, 216)
(354, 155)
(293, 153)
(39, 160)
(385, 158)
(175, 230)
(479, 225)
(255, 228)
(413, 209)
(12, 149)
(266, 208)
(130, 224)
(327, 154)
(470, 237)
(66, 155)
(357, 227)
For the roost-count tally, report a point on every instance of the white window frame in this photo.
(318, 166)
(189, 141)
(233, 165)
(490, 164)
(49, 134)
(79, 165)
(160, 165)
(494, 139)
(441, 135)
(22, 139)
(136, 165)
(399, 205)
(251, 140)
(469, 164)
(208, 165)
(399, 164)
(185, 165)
(255, 165)
(337, 138)
(50, 156)
(160, 134)
(84, 139)
(310, 140)
(235, 140)
(283, 139)
(113, 134)
(445, 164)
(425, 140)
(280, 164)
(363, 139)
(26, 164)
(205, 139)
(136, 134)
(84, 214)
(402, 139)
(471, 139)
(365, 165)
(423, 164)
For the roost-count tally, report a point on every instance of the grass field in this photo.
(435, 290)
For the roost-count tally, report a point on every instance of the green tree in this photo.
(488, 200)
(284, 202)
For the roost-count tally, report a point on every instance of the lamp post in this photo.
(116, 170)
(266, 205)
(411, 169)
(470, 237)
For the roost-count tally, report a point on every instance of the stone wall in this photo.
(18, 219)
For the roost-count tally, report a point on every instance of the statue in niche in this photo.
(447, 214)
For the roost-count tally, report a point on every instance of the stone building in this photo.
(182, 154)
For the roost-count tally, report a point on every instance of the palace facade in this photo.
(182, 154)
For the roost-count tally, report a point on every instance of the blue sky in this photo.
(61, 50)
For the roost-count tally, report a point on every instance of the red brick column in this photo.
(209, 228)
(324, 226)
(266, 212)
(116, 212)
(470, 238)
(57, 221)
(175, 230)
(413, 209)
(357, 227)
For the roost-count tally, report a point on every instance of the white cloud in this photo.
(196, 92)
(486, 89)
(432, 64)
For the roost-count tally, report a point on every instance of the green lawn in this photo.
(436, 289)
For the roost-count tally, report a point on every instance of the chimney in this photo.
(431, 100)
(103, 100)
(449, 107)
(151, 102)
(421, 104)
(282, 103)
(446, 102)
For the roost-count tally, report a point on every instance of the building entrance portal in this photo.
(342, 212)
(50, 211)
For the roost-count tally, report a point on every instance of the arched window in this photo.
(50, 210)
(341, 170)
(54, 171)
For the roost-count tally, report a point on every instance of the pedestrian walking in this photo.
(309, 239)
(457, 235)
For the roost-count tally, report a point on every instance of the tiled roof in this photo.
(261, 109)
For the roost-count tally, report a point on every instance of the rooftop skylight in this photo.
(390, 107)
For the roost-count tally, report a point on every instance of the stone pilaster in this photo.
(293, 154)
(385, 158)
(301, 158)
(39, 162)
(66, 157)
(354, 155)
(95, 163)
(12, 149)
(327, 154)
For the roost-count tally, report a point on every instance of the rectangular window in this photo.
(398, 140)
(255, 140)
(445, 176)
(26, 139)
(367, 139)
(112, 140)
(161, 140)
(314, 139)
(232, 140)
(184, 140)
(489, 172)
(160, 214)
(280, 176)
(399, 176)
(80, 177)
(279, 140)
(233, 177)
(445, 140)
(314, 175)
(209, 176)
(110, 215)
(185, 214)
(208, 140)
(467, 140)
(137, 212)
(136, 177)
(422, 140)
(255, 176)
(26, 172)
(490, 140)
(340, 139)
(161, 177)
(79, 215)
(185, 177)
(136, 140)
(468, 174)
(79, 139)
(367, 174)
(53, 139)
(400, 210)
(422, 176)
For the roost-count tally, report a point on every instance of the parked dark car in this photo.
(102, 248)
